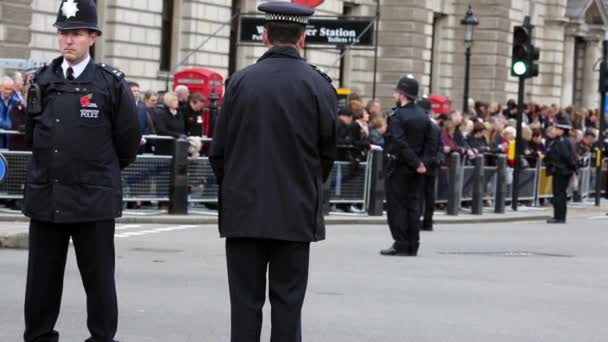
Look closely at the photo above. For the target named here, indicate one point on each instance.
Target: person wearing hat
(427, 200)
(83, 128)
(273, 148)
(561, 163)
(409, 147)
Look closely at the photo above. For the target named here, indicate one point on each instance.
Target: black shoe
(427, 229)
(576, 197)
(391, 251)
(556, 221)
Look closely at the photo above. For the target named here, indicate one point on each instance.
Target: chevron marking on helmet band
(69, 9)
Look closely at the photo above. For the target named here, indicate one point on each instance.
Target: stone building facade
(148, 39)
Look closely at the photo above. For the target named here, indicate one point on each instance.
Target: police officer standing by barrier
(427, 203)
(83, 128)
(274, 146)
(409, 147)
(561, 163)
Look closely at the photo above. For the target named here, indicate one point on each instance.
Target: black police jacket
(409, 138)
(561, 159)
(274, 145)
(193, 121)
(436, 155)
(87, 132)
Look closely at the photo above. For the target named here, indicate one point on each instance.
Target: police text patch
(89, 113)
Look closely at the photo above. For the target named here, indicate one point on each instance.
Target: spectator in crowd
(135, 89)
(510, 112)
(592, 119)
(7, 102)
(377, 128)
(585, 146)
(146, 113)
(537, 148)
(169, 121)
(451, 137)
(18, 88)
(374, 108)
(18, 118)
(193, 115)
(494, 109)
(182, 93)
(361, 117)
(477, 138)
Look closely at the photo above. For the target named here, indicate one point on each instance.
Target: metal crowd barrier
(152, 177)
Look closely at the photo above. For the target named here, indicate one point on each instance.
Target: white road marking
(127, 226)
(602, 217)
(153, 231)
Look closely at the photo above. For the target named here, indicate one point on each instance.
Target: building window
(166, 41)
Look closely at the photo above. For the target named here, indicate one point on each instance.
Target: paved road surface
(173, 286)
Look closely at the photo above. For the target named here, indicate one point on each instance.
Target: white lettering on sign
(191, 81)
(325, 32)
(89, 113)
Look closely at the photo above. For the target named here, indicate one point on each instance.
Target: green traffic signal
(520, 68)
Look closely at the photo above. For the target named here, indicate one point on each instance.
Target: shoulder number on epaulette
(112, 70)
(326, 76)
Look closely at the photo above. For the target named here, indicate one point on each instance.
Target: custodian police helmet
(408, 86)
(77, 14)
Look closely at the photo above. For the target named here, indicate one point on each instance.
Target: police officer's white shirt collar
(78, 68)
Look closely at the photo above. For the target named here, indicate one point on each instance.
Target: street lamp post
(469, 22)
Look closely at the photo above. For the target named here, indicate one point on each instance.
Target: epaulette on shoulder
(326, 76)
(38, 71)
(112, 70)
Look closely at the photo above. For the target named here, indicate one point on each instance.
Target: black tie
(70, 74)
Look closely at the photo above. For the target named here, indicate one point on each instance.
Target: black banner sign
(322, 31)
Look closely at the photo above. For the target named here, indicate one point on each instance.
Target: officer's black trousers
(403, 194)
(48, 250)
(427, 205)
(560, 196)
(287, 265)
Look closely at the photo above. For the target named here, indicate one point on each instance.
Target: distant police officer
(409, 144)
(273, 148)
(83, 128)
(561, 163)
(427, 202)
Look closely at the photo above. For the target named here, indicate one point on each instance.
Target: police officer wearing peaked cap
(83, 128)
(410, 146)
(273, 147)
(561, 163)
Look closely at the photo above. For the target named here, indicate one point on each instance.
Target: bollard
(375, 206)
(501, 184)
(178, 193)
(478, 175)
(455, 185)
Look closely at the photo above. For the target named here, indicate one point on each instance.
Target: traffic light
(525, 55)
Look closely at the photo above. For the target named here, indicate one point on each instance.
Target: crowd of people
(485, 129)
(177, 114)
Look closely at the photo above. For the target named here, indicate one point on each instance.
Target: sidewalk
(16, 236)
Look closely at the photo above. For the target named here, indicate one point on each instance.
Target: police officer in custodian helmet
(273, 148)
(410, 146)
(83, 129)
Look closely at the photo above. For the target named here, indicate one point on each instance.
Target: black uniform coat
(436, 156)
(273, 146)
(88, 131)
(409, 137)
(561, 159)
